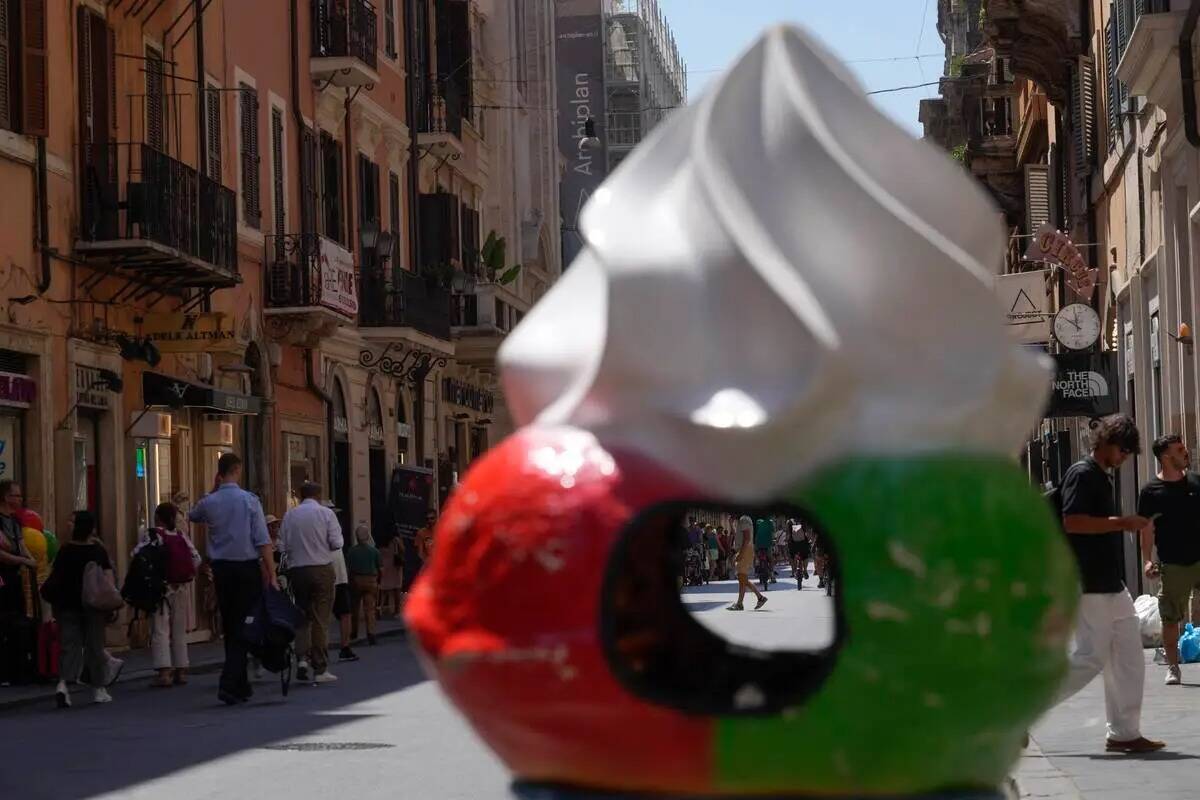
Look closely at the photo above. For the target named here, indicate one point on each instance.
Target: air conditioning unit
(151, 426)
(218, 433)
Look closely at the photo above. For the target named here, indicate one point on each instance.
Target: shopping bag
(1189, 645)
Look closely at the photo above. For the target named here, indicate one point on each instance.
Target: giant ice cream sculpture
(784, 301)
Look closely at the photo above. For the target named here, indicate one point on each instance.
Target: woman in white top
(168, 636)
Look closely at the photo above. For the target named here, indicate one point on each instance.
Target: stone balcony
(1039, 37)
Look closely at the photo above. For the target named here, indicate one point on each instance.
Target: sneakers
(762, 601)
(302, 672)
(736, 607)
(325, 677)
(62, 697)
(1174, 675)
(347, 654)
(101, 695)
(1138, 745)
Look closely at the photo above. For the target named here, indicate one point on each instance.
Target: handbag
(99, 592)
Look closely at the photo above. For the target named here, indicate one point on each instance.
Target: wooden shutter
(1084, 91)
(394, 205)
(250, 159)
(83, 20)
(331, 188)
(1037, 196)
(278, 199)
(35, 78)
(212, 129)
(154, 99)
(1124, 31)
(389, 27)
(308, 181)
(1112, 101)
(6, 76)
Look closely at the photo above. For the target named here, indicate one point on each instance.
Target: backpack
(180, 567)
(145, 584)
(270, 629)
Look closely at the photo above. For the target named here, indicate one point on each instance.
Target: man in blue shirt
(243, 561)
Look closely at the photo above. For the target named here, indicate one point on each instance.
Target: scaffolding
(645, 78)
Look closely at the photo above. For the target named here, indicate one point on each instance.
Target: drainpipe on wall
(43, 217)
(1187, 73)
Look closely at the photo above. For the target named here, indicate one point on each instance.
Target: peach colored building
(256, 227)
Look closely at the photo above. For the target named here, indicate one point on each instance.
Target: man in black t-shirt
(1107, 637)
(1172, 504)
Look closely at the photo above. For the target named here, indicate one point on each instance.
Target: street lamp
(463, 282)
(590, 140)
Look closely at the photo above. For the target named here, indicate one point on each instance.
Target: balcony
(310, 288)
(1037, 37)
(1150, 64)
(344, 43)
(481, 321)
(442, 111)
(156, 219)
(413, 301)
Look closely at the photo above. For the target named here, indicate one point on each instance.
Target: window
(97, 80)
(368, 191)
(212, 131)
(389, 28)
(995, 116)
(155, 100)
(309, 190)
(332, 215)
(394, 204)
(251, 205)
(23, 66)
(1037, 197)
(277, 196)
(521, 44)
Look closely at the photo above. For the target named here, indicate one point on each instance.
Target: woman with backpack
(168, 635)
(81, 626)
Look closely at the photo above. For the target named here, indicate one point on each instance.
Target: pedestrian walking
(343, 606)
(425, 538)
(242, 561)
(168, 632)
(366, 574)
(391, 585)
(309, 537)
(713, 546)
(17, 632)
(764, 545)
(1107, 635)
(81, 627)
(798, 551)
(743, 542)
(1171, 502)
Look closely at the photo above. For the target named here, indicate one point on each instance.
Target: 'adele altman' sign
(1085, 385)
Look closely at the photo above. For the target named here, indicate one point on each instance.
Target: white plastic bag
(1149, 621)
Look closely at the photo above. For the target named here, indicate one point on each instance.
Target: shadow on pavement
(146, 734)
(1162, 755)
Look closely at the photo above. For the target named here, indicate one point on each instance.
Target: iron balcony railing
(159, 199)
(293, 271)
(442, 109)
(465, 311)
(413, 301)
(345, 28)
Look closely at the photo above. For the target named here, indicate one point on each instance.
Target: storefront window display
(303, 464)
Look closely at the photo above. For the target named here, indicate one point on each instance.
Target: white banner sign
(338, 284)
(1026, 305)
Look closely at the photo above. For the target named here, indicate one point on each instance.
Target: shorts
(713, 555)
(798, 548)
(745, 561)
(1178, 581)
(341, 600)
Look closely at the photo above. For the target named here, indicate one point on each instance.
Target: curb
(208, 667)
(1036, 776)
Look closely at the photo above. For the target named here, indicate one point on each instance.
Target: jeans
(239, 587)
(313, 589)
(168, 637)
(1108, 640)
(82, 633)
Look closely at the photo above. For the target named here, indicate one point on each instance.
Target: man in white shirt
(308, 539)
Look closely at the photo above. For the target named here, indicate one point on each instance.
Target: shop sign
(1025, 303)
(88, 397)
(1055, 247)
(17, 390)
(338, 290)
(468, 396)
(341, 426)
(375, 434)
(199, 332)
(1130, 353)
(403, 430)
(1085, 385)
(165, 390)
(408, 499)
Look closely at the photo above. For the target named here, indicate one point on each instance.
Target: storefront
(377, 465)
(339, 456)
(18, 392)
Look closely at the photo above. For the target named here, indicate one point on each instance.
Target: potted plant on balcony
(493, 257)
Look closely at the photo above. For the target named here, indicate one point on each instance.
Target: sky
(712, 33)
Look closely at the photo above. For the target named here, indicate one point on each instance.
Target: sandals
(736, 607)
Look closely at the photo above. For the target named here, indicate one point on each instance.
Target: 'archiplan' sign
(580, 32)
(1025, 304)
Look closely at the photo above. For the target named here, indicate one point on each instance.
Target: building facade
(1097, 143)
(218, 240)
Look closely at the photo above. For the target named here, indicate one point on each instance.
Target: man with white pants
(1107, 638)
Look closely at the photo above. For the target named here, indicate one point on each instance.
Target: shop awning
(167, 390)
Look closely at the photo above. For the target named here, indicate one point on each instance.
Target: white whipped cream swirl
(779, 278)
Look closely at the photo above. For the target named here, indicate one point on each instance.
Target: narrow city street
(384, 730)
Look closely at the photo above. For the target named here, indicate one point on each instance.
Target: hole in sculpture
(670, 634)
